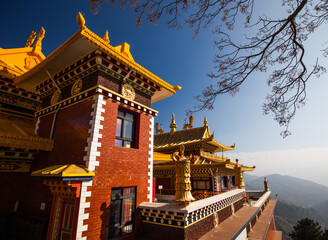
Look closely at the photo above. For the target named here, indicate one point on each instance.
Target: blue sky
(179, 59)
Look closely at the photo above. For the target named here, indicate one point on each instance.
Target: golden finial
(80, 20)
(237, 161)
(177, 88)
(205, 121)
(38, 45)
(106, 38)
(185, 125)
(173, 125)
(188, 125)
(191, 121)
(161, 130)
(156, 128)
(266, 185)
(30, 39)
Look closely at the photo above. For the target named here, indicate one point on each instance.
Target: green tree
(306, 229)
(325, 235)
(274, 44)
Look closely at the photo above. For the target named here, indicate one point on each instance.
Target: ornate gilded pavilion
(209, 170)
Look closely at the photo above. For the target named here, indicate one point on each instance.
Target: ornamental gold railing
(198, 195)
(165, 191)
(212, 156)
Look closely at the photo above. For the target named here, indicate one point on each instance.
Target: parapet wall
(188, 222)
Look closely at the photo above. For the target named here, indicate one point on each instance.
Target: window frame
(124, 118)
(196, 181)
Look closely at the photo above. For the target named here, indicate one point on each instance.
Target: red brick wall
(70, 135)
(118, 167)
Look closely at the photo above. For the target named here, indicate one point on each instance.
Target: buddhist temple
(79, 158)
(211, 173)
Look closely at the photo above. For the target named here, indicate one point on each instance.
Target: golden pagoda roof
(16, 61)
(80, 44)
(20, 134)
(64, 172)
(187, 137)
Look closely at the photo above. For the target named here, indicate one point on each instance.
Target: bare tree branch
(278, 45)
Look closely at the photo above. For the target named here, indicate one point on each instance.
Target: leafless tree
(277, 44)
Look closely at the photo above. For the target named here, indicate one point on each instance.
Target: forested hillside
(297, 199)
(287, 215)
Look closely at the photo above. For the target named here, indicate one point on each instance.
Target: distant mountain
(293, 190)
(322, 208)
(287, 215)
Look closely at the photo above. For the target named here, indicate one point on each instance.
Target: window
(125, 129)
(201, 183)
(232, 181)
(224, 183)
(122, 209)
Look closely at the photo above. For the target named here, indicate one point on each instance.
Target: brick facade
(118, 167)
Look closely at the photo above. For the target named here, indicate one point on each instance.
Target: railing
(212, 156)
(165, 191)
(198, 195)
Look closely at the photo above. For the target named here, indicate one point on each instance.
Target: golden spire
(106, 38)
(173, 125)
(80, 20)
(205, 121)
(30, 39)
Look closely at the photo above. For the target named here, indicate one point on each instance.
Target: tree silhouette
(306, 229)
(276, 44)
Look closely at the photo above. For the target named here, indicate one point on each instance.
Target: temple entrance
(66, 224)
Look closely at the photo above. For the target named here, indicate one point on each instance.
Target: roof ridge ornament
(30, 39)
(205, 121)
(173, 125)
(38, 43)
(80, 20)
(188, 125)
(158, 130)
(105, 37)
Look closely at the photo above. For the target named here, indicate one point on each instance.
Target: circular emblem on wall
(128, 91)
(55, 98)
(77, 87)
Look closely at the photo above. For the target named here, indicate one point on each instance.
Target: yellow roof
(79, 45)
(186, 137)
(162, 157)
(20, 134)
(16, 61)
(64, 171)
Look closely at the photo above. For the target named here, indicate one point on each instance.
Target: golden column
(182, 183)
(266, 185)
(239, 179)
